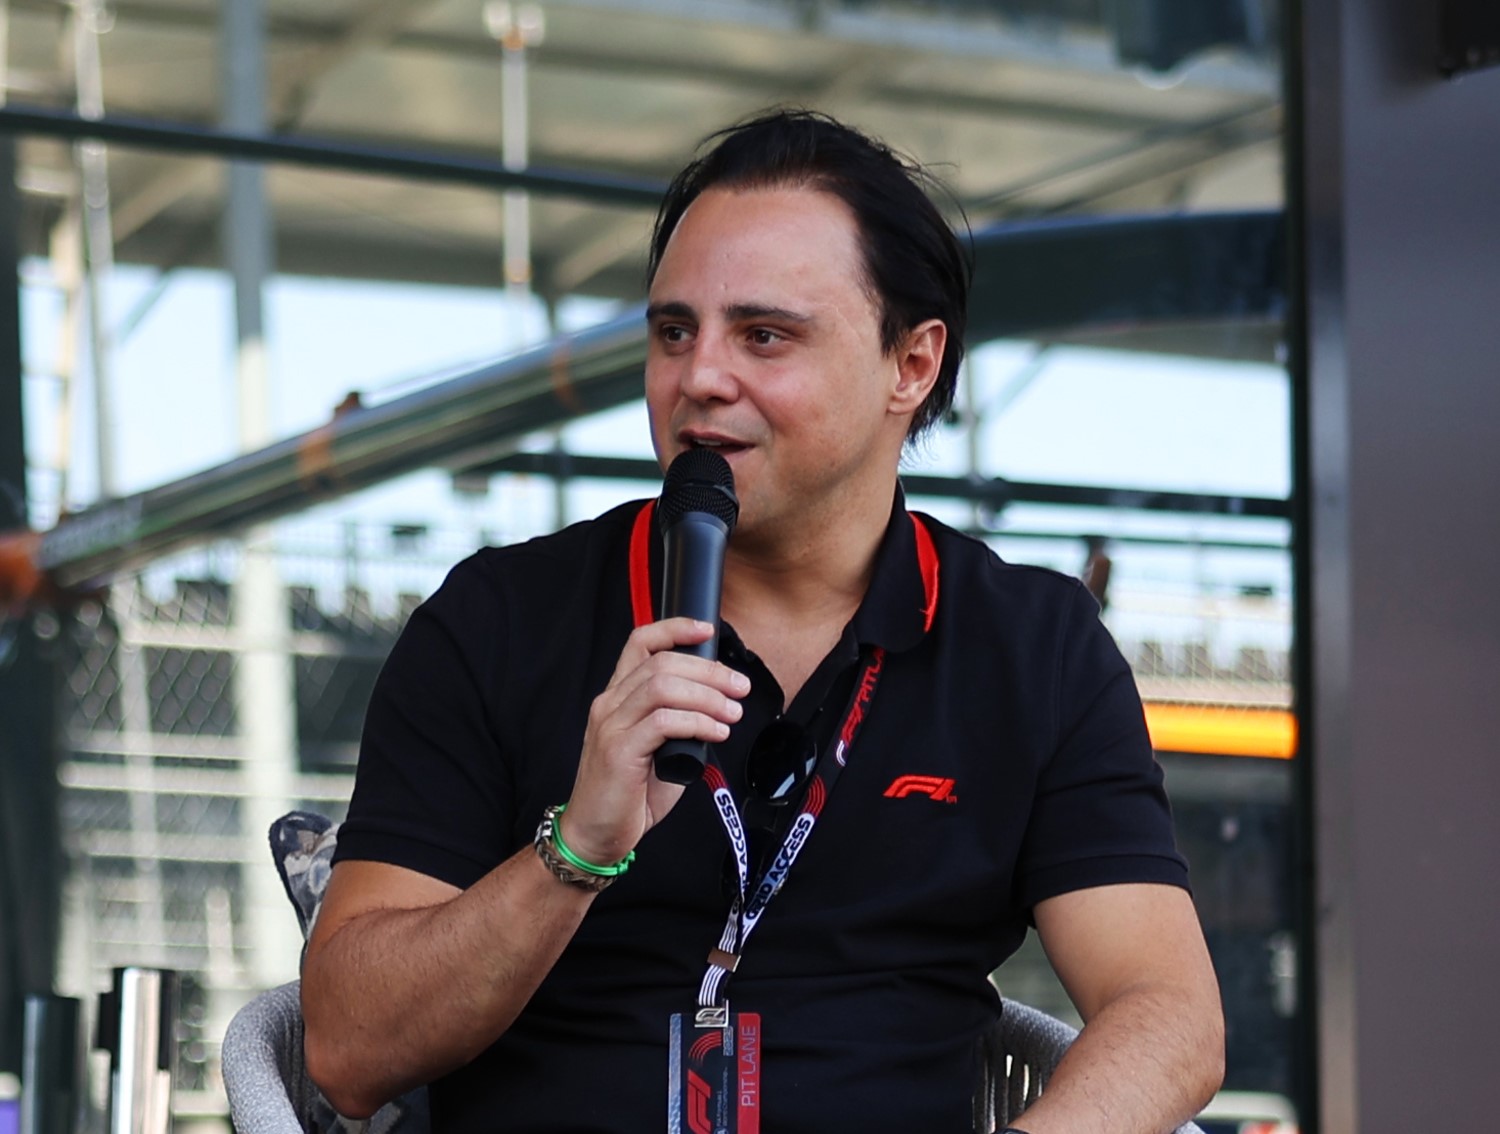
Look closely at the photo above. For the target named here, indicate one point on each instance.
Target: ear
(918, 359)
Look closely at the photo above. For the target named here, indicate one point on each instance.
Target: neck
(817, 574)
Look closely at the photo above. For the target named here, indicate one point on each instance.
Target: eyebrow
(750, 312)
(671, 310)
(735, 313)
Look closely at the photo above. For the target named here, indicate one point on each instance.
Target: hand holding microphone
(696, 515)
(667, 683)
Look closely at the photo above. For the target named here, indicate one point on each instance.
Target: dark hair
(915, 265)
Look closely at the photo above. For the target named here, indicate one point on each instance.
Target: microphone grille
(698, 480)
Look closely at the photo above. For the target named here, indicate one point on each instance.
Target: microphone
(696, 513)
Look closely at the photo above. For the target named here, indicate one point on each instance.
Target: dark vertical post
(30, 843)
(1400, 253)
(51, 1066)
(1300, 88)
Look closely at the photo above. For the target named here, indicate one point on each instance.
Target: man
(962, 733)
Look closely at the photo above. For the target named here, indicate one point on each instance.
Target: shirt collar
(892, 613)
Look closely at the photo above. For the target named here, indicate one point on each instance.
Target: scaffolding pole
(264, 685)
(89, 22)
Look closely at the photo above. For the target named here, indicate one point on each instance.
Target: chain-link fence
(165, 792)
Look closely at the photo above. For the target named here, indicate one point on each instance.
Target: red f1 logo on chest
(933, 787)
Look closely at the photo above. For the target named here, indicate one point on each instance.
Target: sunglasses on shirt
(777, 767)
(779, 764)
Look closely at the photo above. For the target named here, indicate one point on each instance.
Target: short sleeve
(1100, 815)
(432, 792)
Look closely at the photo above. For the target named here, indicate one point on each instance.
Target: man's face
(764, 344)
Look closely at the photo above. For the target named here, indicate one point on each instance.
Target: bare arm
(1151, 1054)
(407, 977)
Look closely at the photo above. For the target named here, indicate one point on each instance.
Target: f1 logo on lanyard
(714, 1075)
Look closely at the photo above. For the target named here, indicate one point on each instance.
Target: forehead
(791, 238)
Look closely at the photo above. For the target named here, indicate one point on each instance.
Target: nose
(708, 371)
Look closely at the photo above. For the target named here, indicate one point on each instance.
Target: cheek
(660, 392)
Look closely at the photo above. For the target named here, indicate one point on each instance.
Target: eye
(764, 336)
(672, 334)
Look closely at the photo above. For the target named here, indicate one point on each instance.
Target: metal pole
(4, 50)
(149, 901)
(137, 1025)
(98, 239)
(264, 684)
(973, 428)
(332, 153)
(66, 254)
(465, 419)
(30, 842)
(513, 154)
(50, 1066)
(517, 27)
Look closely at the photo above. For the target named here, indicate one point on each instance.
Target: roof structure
(1027, 108)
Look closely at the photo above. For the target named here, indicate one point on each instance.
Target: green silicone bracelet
(565, 852)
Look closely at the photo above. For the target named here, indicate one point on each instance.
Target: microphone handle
(692, 583)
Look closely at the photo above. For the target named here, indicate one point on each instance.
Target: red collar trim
(642, 605)
(927, 560)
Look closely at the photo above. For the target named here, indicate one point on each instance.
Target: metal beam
(371, 27)
(1223, 132)
(1087, 49)
(1177, 167)
(960, 38)
(331, 153)
(1036, 278)
(995, 493)
(291, 90)
(463, 419)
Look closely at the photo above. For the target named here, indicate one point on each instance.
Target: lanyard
(745, 915)
(748, 906)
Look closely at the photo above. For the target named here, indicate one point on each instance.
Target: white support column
(147, 898)
(265, 689)
(89, 21)
(518, 27)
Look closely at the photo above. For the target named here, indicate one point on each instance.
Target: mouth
(726, 446)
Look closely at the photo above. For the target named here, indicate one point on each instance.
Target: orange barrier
(1223, 730)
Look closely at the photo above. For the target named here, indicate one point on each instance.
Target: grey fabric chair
(266, 1079)
(264, 1073)
(269, 1091)
(1020, 1056)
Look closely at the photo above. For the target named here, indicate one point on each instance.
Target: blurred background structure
(313, 297)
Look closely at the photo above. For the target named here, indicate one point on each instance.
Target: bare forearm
(1147, 1063)
(396, 997)
(407, 978)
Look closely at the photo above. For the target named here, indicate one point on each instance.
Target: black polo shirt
(870, 968)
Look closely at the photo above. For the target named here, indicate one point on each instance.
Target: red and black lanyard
(750, 904)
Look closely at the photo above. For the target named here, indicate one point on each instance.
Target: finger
(634, 727)
(624, 723)
(684, 667)
(665, 690)
(658, 637)
(632, 752)
(712, 674)
(684, 724)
